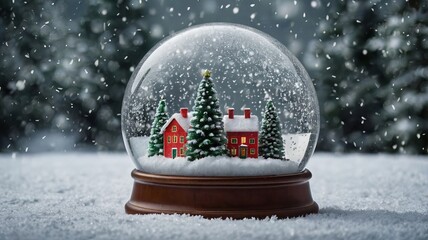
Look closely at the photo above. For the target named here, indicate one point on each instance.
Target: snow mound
(295, 148)
(216, 166)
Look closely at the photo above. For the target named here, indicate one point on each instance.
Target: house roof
(237, 124)
(241, 124)
(184, 122)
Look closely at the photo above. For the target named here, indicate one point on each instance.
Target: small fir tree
(156, 137)
(206, 134)
(270, 142)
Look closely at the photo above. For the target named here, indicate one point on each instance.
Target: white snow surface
(82, 196)
(241, 124)
(216, 166)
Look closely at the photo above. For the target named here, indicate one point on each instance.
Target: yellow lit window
(252, 141)
(234, 140)
(233, 152)
(243, 140)
(252, 151)
(174, 128)
(181, 151)
(175, 138)
(181, 139)
(169, 139)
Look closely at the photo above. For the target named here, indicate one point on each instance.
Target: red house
(175, 133)
(242, 132)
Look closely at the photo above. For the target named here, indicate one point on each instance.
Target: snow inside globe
(220, 100)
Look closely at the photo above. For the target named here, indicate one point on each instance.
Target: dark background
(64, 66)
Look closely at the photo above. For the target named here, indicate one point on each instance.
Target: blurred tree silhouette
(64, 66)
(28, 64)
(67, 75)
(370, 61)
(402, 42)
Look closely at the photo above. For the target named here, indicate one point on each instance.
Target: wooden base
(222, 197)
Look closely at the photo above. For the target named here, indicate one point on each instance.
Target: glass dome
(249, 70)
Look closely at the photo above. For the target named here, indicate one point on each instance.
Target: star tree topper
(206, 73)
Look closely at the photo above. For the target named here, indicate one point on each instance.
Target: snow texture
(139, 146)
(296, 145)
(217, 166)
(82, 196)
(241, 124)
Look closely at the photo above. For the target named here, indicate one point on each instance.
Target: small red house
(242, 132)
(175, 133)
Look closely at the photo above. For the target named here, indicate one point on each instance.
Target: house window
(243, 140)
(252, 151)
(234, 140)
(233, 152)
(181, 151)
(174, 128)
(169, 139)
(252, 141)
(181, 139)
(175, 138)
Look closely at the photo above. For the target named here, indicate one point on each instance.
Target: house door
(174, 152)
(243, 151)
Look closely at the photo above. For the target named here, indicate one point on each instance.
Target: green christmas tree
(156, 137)
(270, 142)
(206, 134)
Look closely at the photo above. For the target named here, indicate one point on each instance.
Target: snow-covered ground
(217, 166)
(295, 148)
(81, 196)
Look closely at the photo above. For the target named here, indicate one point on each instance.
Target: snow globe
(220, 121)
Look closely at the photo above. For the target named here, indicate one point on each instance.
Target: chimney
(247, 112)
(230, 112)
(183, 112)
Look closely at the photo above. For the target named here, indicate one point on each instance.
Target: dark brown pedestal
(213, 197)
